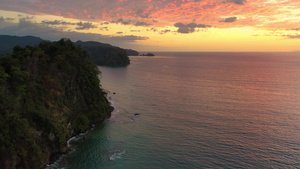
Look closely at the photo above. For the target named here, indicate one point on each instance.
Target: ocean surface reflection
(198, 110)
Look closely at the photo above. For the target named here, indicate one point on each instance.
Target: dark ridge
(102, 54)
(131, 52)
(105, 54)
(7, 43)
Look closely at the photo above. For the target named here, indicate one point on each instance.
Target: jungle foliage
(48, 93)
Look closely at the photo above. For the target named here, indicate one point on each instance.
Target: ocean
(197, 110)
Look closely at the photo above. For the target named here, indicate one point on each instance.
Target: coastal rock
(148, 54)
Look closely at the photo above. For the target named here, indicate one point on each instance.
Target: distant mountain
(131, 52)
(7, 43)
(102, 54)
(105, 54)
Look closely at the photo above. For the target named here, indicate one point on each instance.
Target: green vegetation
(105, 54)
(7, 43)
(48, 93)
(101, 54)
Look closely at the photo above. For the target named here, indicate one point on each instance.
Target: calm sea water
(197, 110)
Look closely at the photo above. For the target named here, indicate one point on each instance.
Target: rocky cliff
(48, 93)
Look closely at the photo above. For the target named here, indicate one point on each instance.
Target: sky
(160, 25)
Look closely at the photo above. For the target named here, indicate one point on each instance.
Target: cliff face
(48, 93)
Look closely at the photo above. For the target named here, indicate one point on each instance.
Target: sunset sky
(160, 25)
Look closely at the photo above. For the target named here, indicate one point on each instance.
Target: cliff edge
(48, 93)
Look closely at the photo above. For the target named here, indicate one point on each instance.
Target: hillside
(7, 43)
(131, 52)
(105, 54)
(102, 54)
(48, 93)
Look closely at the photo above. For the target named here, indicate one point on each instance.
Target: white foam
(55, 164)
(111, 101)
(115, 113)
(117, 154)
(70, 140)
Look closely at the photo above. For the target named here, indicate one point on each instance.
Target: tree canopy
(47, 94)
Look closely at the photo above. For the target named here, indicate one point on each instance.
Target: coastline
(56, 158)
(54, 161)
(173, 132)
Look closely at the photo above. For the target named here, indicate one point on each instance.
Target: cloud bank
(150, 12)
(239, 2)
(189, 28)
(230, 19)
(123, 22)
(25, 27)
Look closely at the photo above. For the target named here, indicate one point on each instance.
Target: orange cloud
(253, 13)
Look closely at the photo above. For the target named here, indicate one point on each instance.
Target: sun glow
(257, 25)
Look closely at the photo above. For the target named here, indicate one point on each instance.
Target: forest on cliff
(48, 93)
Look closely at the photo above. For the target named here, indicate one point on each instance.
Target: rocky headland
(48, 93)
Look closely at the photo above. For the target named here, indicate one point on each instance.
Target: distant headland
(148, 54)
(102, 54)
(131, 52)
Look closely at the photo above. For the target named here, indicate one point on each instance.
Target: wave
(115, 113)
(55, 164)
(116, 154)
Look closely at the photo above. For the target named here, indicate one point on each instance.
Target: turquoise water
(197, 110)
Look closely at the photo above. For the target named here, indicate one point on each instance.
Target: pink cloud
(166, 12)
